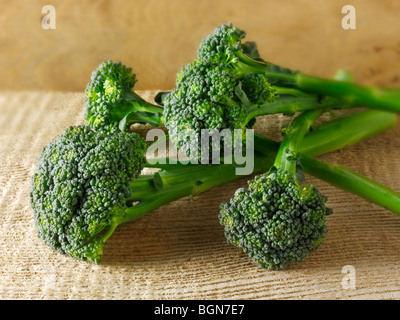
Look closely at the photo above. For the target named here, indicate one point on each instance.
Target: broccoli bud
(276, 221)
(222, 45)
(258, 89)
(111, 103)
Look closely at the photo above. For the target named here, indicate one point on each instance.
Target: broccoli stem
(194, 180)
(337, 134)
(144, 105)
(363, 125)
(354, 94)
(154, 119)
(348, 180)
(290, 91)
(288, 152)
(137, 110)
(291, 105)
(274, 73)
(380, 98)
(346, 131)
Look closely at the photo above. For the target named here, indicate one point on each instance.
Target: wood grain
(179, 251)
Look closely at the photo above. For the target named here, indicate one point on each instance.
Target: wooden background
(179, 251)
(157, 37)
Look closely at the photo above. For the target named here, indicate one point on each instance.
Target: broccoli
(88, 181)
(111, 103)
(81, 188)
(226, 46)
(277, 220)
(208, 97)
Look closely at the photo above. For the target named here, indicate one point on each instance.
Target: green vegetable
(277, 220)
(226, 46)
(111, 103)
(81, 188)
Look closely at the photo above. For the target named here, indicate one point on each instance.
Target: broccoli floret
(223, 45)
(227, 46)
(199, 102)
(81, 187)
(257, 88)
(210, 98)
(277, 220)
(111, 103)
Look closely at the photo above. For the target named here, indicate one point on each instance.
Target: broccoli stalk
(288, 153)
(225, 46)
(343, 178)
(111, 103)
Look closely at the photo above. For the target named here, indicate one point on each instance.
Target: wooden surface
(179, 251)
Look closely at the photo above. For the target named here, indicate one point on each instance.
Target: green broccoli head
(110, 99)
(258, 89)
(276, 221)
(227, 45)
(222, 45)
(80, 188)
(208, 97)
(197, 103)
(185, 119)
(110, 82)
(205, 80)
